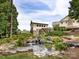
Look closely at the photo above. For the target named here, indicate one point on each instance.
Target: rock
(22, 49)
(41, 51)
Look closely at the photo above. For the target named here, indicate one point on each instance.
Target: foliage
(59, 31)
(56, 40)
(5, 16)
(22, 37)
(56, 31)
(42, 35)
(48, 45)
(60, 28)
(50, 33)
(59, 45)
(18, 39)
(74, 9)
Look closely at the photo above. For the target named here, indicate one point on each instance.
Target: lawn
(28, 56)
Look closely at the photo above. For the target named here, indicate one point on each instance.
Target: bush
(42, 35)
(59, 45)
(49, 33)
(47, 45)
(57, 28)
(22, 37)
(56, 40)
(17, 38)
(58, 33)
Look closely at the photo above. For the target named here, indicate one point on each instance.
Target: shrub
(22, 37)
(58, 33)
(42, 35)
(49, 33)
(56, 40)
(59, 45)
(47, 45)
(17, 38)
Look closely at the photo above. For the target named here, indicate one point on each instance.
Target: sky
(46, 11)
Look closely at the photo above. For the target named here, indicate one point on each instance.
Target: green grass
(28, 56)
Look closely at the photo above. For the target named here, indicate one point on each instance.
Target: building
(68, 23)
(36, 27)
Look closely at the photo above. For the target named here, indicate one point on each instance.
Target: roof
(62, 20)
(39, 23)
(55, 22)
(74, 27)
(65, 19)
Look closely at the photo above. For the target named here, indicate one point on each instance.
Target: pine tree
(74, 9)
(5, 17)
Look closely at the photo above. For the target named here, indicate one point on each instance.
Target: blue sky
(46, 11)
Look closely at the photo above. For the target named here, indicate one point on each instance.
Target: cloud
(40, 11)
(62, 7)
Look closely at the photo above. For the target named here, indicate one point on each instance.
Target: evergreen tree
(74, 9)
(5, 17)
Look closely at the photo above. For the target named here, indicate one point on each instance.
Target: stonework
(35, 27)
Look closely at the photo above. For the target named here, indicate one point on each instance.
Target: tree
(74, 9)
(5, 17)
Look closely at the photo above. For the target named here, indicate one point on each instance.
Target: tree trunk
(11, 32)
